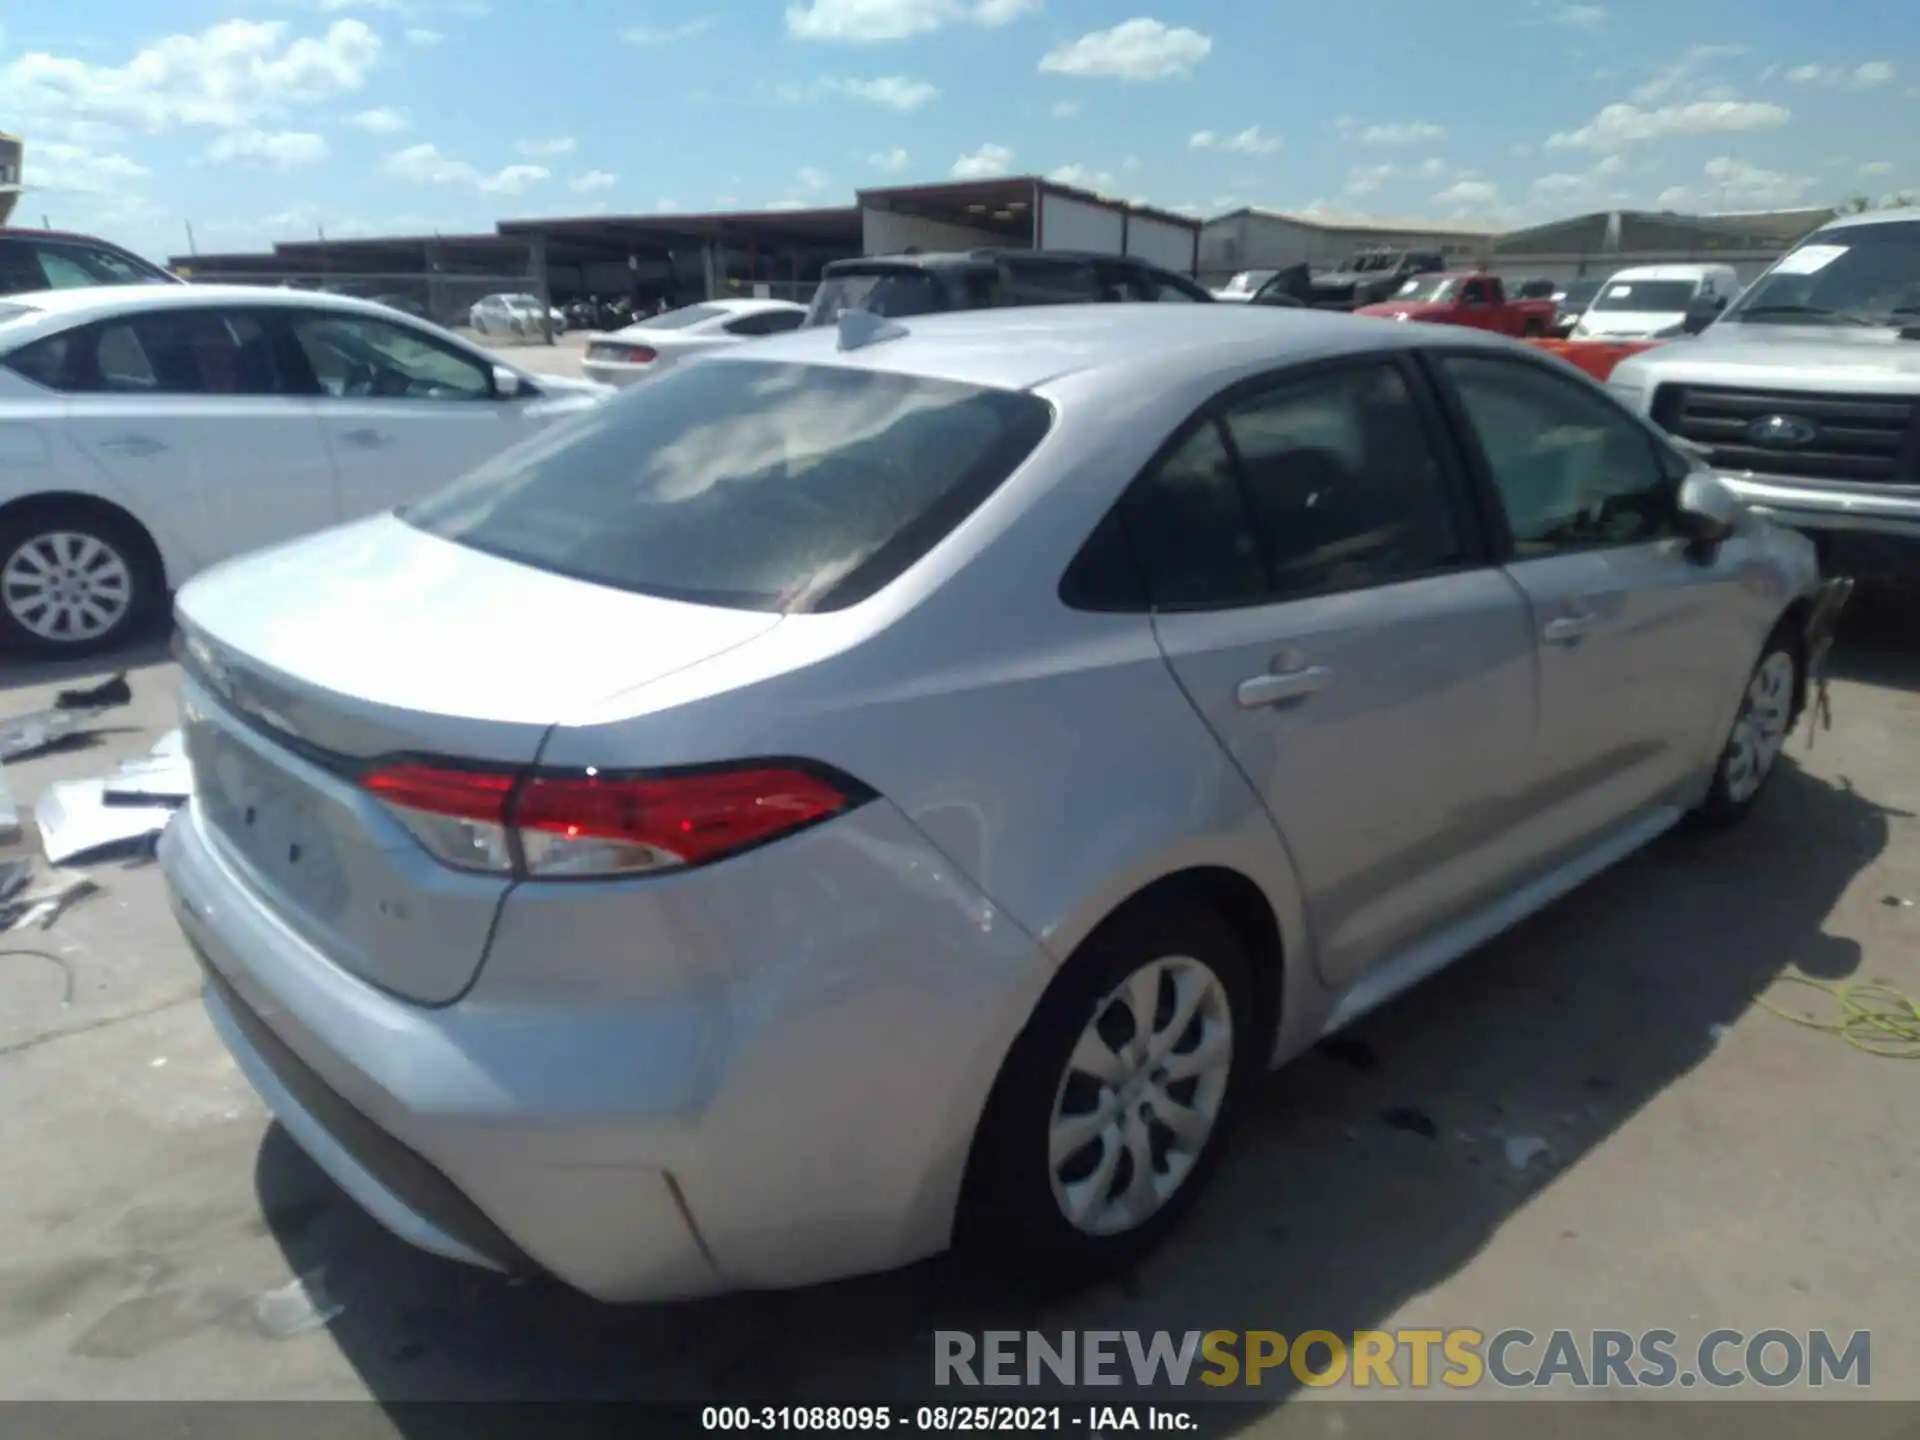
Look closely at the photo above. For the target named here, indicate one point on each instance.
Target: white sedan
(659, 342)
(512, 315)
(147, 432)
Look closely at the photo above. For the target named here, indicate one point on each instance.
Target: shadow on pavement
(19, 671)
(1326, 1215)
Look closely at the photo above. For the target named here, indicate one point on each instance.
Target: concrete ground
(1708, 1164)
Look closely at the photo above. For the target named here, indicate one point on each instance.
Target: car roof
(1024, 347)
(51, 310)
(1889, 216)
(1669, 272)
(749, 306)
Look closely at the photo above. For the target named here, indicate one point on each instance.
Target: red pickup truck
(1476, 300)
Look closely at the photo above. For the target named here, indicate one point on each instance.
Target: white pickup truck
(1805, 393)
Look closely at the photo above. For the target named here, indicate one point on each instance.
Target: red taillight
(641, 355)
(602, 825)
(455, 794)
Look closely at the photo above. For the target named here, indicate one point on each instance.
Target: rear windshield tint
(746, 484)
(680, 319)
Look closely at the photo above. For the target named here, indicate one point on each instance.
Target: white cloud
(1877, 167)
(1247, 142)
(1468, 193)
(1434, 169)
(1083, 177)
(336, 5)
(866, 22)
(58, 166)
(1409, 132)
(381, 120)
(666, 34)
(593, 180)
(229, 76)
(1132, 162)
(896, 92)
(1617, 126)
(425, 165)
(424, 37)
(891, 161)
(1065, 109)
(989, 160)
(1738, 185)
(1365, 179)
(813, 179)
(666, 206)
(1685, 77)
(784, 205)
(1864, 76)
(1584, 17)
(1139, 49)
(547, 149)
(282, 150)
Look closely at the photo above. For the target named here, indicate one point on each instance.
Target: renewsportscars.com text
(1458, 1359)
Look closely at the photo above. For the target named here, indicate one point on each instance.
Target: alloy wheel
(1761, 728)
(1141, 1095)
(66, 586)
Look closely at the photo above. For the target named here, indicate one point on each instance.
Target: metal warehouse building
(1254, 239)
(1609, 240)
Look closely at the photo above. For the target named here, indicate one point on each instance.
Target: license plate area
(275, 823)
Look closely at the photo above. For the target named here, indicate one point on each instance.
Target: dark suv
(56, 260)
(926, 284)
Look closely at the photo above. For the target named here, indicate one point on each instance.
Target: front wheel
(1759, 730)
(1114, 1105)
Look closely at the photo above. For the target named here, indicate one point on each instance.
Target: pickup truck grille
(1869, 439)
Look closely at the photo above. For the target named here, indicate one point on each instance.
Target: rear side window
(1343, 481)
(682, 318)
(197, 352)
(766, 322)
(27, 265)
(747, 485)
(897, 292)
(1190, 525)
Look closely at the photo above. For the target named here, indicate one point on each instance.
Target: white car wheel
(71, 584)
(1140, 1095)
(1761, 728)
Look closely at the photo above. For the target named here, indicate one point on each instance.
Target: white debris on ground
(80, 818)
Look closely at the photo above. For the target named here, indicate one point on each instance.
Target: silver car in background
(905, 781)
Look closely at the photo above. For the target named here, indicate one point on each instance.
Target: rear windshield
(750, 485)
(680, 319)
(1655, 296)
(905, 291)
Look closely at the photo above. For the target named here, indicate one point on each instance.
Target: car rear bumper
(749, 1113)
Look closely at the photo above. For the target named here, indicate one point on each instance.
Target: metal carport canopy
(763, 229)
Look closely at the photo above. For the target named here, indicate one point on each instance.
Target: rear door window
(750, 485)
(894, 291)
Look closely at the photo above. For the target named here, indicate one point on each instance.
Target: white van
(1651, 302)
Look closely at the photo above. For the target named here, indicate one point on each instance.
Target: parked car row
(887, 588)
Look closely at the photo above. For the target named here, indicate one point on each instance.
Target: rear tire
(1768, 707)
(1083, 1072)
(75, 580)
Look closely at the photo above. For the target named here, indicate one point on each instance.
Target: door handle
(139, 445)
(367, 438)
(1565, 629)
(1277, 687)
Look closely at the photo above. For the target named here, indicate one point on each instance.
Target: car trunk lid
(309, 665)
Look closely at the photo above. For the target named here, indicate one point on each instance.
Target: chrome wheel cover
(1141, 1095)
(1761, 728)
(66, 586)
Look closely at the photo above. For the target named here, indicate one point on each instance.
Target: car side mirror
(1709, 511)
(1700, 315)
(509, 384)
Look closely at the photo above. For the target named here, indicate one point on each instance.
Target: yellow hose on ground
(1874, 1015)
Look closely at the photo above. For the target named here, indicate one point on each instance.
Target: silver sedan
(905, 782)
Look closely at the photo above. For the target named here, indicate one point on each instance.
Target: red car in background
(1476, 300)
(58, 260)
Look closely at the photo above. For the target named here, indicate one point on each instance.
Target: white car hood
(568, 386)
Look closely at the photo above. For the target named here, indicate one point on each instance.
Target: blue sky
(262, 119)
